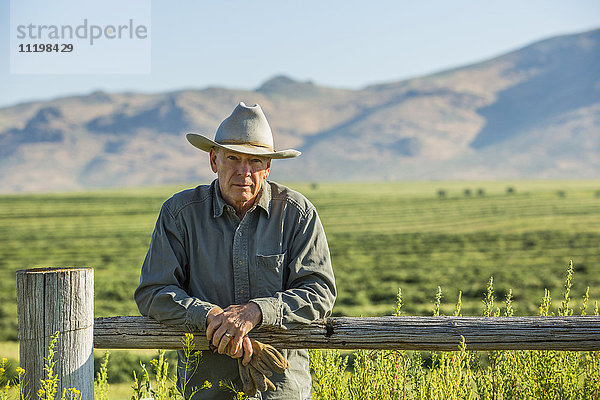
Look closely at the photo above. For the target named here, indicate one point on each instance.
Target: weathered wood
(409, 333)
(51, 300)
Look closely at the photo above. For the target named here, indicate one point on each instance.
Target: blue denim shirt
(201, 256)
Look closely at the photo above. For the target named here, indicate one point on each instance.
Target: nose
(244, 168)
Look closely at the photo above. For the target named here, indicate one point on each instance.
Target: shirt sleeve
(161, 294)
(310, 287)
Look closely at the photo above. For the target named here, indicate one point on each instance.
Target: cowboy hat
(246, 131)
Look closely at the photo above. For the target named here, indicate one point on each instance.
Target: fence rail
(409, 333)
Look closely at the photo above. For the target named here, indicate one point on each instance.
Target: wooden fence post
(51, 300)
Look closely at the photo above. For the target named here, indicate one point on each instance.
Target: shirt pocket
(270, 273)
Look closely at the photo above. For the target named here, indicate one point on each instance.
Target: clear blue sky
(240, 44)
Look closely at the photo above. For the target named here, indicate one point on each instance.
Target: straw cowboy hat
(246, 131)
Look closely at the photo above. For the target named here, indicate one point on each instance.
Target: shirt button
(240, 262)
(242, 291)
(240, 233)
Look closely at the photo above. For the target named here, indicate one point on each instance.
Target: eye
(257, 160)
(232, 157)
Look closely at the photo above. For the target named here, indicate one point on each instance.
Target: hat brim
(205, 144)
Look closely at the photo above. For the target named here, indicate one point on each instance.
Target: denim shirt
(201, 256)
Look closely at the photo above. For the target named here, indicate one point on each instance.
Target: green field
(382, 236)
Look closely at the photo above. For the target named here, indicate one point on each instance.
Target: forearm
(161, 293)
(173, 306)
(297, 306)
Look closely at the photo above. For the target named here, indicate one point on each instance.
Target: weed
(101, 381)
(6, 387)
(165, 388)
(464, 374)
(47, 390)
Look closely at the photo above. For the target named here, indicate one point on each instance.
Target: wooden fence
(51, 300)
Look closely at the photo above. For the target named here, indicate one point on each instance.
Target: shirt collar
(218, 202)
(264, 199)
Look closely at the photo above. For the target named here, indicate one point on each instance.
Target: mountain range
(531, 113)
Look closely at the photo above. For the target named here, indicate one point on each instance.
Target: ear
(268, 170)
(213, 160)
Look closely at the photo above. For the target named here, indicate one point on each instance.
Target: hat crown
(245, 125)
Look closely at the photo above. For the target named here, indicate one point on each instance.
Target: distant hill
(531, 113)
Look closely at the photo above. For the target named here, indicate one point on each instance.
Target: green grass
(382, 236)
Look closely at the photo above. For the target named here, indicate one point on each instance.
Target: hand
(235, 321)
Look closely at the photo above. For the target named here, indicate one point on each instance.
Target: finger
(249, 386)
(225, 340)
(261, 367)
(212, 327)
(239, 354)
(210, 318)
(258, 378)
(247, 382)
(256, 346)
(274, 353)
(218, 335)
(235, 347)
(247, 346)
(275, 359)
(270, 385)
(275, 367)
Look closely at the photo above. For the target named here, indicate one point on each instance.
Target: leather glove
(253, 380)
(266, 359)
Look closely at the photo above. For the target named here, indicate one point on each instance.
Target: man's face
(240, 176)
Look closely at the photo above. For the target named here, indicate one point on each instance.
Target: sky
(240, 44)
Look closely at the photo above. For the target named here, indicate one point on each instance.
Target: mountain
(531, 113)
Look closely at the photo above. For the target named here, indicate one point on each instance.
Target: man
(239, 253)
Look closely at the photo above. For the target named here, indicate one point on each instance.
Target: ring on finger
(229, 335)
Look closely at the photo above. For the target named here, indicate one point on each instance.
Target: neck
(242, 208)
